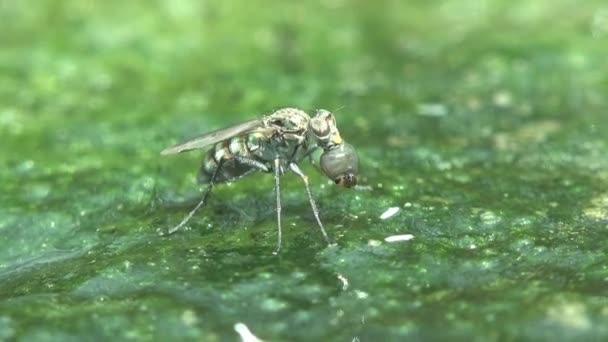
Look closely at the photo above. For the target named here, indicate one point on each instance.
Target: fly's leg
(277, 188)
(315, 211)
(202, 201)
(251, 162)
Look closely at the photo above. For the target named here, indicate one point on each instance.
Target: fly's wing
(215, 137)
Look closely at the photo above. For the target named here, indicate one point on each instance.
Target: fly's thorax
(288, 148)
(323, 128)
(285, 136)
(288, 120)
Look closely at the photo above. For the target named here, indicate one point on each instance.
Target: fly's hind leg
(277, 175)
(313, 205)
(246, 161)
(202, 201)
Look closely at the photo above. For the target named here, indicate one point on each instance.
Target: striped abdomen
(243, 146)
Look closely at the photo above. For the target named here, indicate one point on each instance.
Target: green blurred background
(483, 121)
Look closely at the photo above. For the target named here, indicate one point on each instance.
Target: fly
(275, 143)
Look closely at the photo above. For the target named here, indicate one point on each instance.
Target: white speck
(361, 294)
(572, 315)
(397, 238)
(472, 247)
(502, 98)
(374, 243)
(26, 165)
(245, 333)
(407, 204)
(344, 281)
(189, 318)
(389, 212)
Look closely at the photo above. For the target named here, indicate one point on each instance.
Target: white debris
(389, 212)
(245, 333)
(503, 98)
(361, 294)
(344, 281)
(374, 243)
(397, 238)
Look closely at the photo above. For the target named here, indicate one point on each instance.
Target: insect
(275, 143)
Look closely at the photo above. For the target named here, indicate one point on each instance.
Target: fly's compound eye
(323, 125)
(320, 127)
(341, 164)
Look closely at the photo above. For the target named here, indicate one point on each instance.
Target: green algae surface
(483, 122)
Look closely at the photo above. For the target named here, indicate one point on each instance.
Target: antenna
(337, 109)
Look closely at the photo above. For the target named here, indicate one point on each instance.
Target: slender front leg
(251, 162)
(315, 211)
(277, 175)
(202, 201)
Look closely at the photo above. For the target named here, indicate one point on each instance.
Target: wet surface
(480, 127)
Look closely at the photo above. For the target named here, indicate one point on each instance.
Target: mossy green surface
(483, 121)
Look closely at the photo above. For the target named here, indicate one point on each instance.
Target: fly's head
(339, 160)
(323, 128)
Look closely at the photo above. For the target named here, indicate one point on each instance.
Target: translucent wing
(215, 137)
